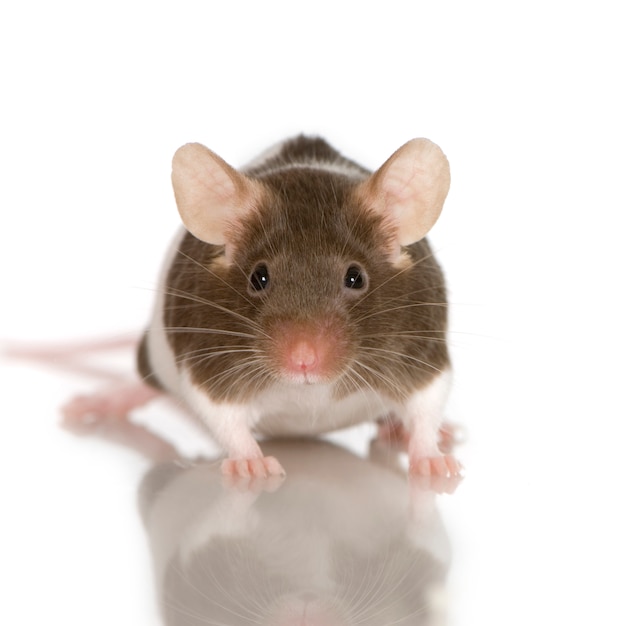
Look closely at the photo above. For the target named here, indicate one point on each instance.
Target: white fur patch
(333, 167)
(296, 409)
(423, 414)
(283, 410)
(230, 423)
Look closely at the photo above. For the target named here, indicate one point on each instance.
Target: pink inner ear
(396, 183)
(210, 194)
(409, 189)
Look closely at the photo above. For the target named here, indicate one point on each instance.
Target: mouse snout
(308, 352)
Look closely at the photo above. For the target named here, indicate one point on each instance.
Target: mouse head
(314, 252)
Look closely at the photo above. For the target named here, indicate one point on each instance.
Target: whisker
(411, 334)
(246, 373)
(203, 355)
(207, 331)
(390, 382)
(352, 375)
(182, 294)
(399, 308)
(271, 244)
(242, 612)
(394, 276)
(217, 276)
(392, 355)
(385, 595)
(349, 237)
(371, 593)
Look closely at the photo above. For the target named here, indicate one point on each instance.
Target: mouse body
(301, 297)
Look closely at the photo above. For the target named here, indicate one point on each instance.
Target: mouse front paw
(441, 474)
(444, 465)
(258, 467)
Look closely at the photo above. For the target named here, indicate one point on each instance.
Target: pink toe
(443, 466)
(439, 466)
(454, 467)
(228, 467)
(422, 467)
(274, 468)
(258, 467)
(242, 468)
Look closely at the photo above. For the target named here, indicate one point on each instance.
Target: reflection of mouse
(317, 551)
(303, 298)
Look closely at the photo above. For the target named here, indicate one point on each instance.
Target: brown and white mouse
(302, 297)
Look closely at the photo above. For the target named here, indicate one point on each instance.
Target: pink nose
(309, 351)
(303, 357)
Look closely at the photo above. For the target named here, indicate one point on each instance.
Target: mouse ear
(210, 194)
(409, 189)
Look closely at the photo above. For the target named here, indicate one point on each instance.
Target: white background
(526, 99)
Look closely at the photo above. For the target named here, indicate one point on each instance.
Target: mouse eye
(260, 278)
(355, 278)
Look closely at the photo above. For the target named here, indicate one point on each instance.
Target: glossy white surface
(527, 104)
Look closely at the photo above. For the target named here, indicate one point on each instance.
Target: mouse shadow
(342, 540)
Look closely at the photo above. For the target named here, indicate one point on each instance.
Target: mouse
(301, 296)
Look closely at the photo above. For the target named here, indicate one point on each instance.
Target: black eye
(260, 278)
(355, 278)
